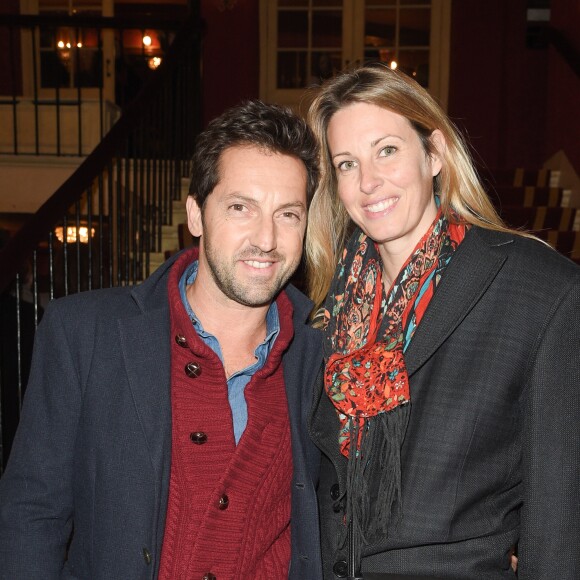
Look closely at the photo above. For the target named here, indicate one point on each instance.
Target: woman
(449, 414)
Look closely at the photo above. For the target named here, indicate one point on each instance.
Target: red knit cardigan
(228, 515)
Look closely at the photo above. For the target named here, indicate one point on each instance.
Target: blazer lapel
(465, 281)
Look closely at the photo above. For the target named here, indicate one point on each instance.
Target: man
(163, 432)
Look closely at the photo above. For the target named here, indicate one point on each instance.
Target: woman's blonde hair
(457, 185)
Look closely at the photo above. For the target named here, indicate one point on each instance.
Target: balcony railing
(67, 78)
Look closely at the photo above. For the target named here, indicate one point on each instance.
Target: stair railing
(101, 226)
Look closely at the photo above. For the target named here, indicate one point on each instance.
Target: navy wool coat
(93, 447)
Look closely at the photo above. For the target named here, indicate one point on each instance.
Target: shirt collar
(188, 277)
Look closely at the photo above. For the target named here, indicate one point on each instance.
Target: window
(304, 42)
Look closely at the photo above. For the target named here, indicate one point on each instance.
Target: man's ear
(194, 221)
(438, 146)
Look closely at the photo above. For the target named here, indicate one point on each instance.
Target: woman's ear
(438, 147)
(194, 221)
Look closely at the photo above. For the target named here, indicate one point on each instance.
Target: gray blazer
(491, 456)
(94, 444)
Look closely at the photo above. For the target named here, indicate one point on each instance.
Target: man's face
(252, 225)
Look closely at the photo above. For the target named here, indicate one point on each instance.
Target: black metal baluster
(17, 295)
(78, 245)
(90, 231)
(148, 220)
(65, 253)
(35, 286)
(50, 265)
(134, 211)
(108, 254)
(127, 229)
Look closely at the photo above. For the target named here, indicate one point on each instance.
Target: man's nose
(264, 234)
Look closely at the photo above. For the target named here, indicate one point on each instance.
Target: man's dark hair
(253, 123)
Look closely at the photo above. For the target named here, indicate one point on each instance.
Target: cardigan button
(224, 502)
(198, 437)
(147, 556)
(208, 576)
(193, 370)
(340, 569)
(180, 340)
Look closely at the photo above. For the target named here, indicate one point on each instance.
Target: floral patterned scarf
(366, 335)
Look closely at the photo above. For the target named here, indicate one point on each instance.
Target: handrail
(40, 224)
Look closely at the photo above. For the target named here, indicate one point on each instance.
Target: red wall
(231, 55)
(563, 107)
(515, 103)
(518, 105)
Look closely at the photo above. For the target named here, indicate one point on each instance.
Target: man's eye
(237, 207)
(291, 215)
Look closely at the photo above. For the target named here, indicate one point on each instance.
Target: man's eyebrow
(293, 205)
(238, 196)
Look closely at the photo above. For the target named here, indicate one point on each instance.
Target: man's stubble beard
(250, 293)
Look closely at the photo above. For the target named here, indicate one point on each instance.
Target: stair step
(567, 243)
(155, 260)
(185, 187)
(540, 218)
(519, 177)
(169, 233)
(169, 239)
(186, 240)
(529, 196)
(179, 212)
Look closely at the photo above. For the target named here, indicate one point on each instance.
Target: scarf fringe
(374, 478)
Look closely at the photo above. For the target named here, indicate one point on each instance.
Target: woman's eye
(346, 165)
(386, 151)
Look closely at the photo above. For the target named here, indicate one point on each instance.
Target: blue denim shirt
(238, 381)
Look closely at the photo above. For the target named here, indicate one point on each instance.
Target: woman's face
(384, 175)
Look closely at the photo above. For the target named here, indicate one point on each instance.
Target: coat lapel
(301, 363)
(471, 271)
(145, 342)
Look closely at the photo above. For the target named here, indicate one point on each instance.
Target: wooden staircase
(534, 201)
(174, 237)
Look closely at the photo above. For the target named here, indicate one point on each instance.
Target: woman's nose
(369, 179)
